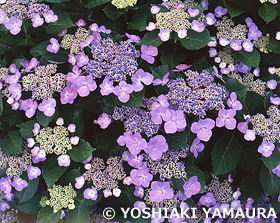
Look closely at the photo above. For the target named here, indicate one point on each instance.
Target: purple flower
(182, 33)
(90, 193)
(54, 46)
(203, 128)
(135, 161)
(107, 87)
(50, 16)
(32, 64)
(85, 85)
(193, 12)
(181, 67)
(160, 191)
(140, 205)
(235, 204)
(80, 23)
(33, 172)
(197, 26)
(141, 77)
(36, 129)
(248, 45)
(242, 68)
(196, 147)
(87, 42)
(161, 101)
(38, 154)
(5, 185)
(148, 53)
(80, 181)
(271, 84)
(82, 59)
(123, 90)
(4, 206)
(139, 191)
(210, 19)
(68, 95)
(233, 102)
(18, 183)
(74, 74)
(63, 160)
(62, 33)
(275, 100)
(29, 106)
(122, 140)
(133, 38)
(208, 200)
(212, 52)
(72, 59)
(250, 135)
(163, 81)
(266, 148)
(135, 143)
(249, 22)
(276, 171)
(242, 127)
(14, 25)
(117, 192)
(104, 121)
(220, 11)
(176, 122)
(141, 177)
(155, 9)
(236, 45)
(151, 26)
(191, 187)
(254, 33)
(164, 35)
(15, 91)
(48, 107)
(156, 147)
(74, 140)
(226, 118)
(13, 79)
(3, 16)
(37, 20)
(223, 41)
(159, 114)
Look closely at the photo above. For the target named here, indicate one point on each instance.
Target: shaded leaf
(274, 46)
(267, 12)
(63, 22)
(29, 191)
(249, 58)
(269, 181)
(81, 152)
(12, 143)
(94, 3)
(195, 41)
(171, 58)
(46, 215)
(26, 129)
(151, 39)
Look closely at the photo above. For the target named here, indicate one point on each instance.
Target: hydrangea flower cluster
(121, 4)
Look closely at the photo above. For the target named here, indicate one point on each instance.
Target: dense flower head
(198, 94)
(121, 4)
(112, 60)
(221, 191)
(15, 164)
(136, 119)
(104, 176)
(61, 197)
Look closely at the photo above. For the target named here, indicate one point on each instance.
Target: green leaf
(233, 10)
(233, 85)
(112, 12)
(177, 140)
(249, 157)
(94, 3)
(28, 192)
(171, 58)
(42, 119)
(51, 171)
(46, 215)
(269, 181)
(108, 103)
(151, 39)
(225, 155)
(26, 129)
(79, 214)
(272, 161)
(12, 143)
(81, 152)
(267, 12)
(274, 46)
(196, 41)
(31, 206)
(137, 23)
(249, 58)
(254, 103)
(70, 176)
(63, 22)
(179, 183)
(200, 64)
